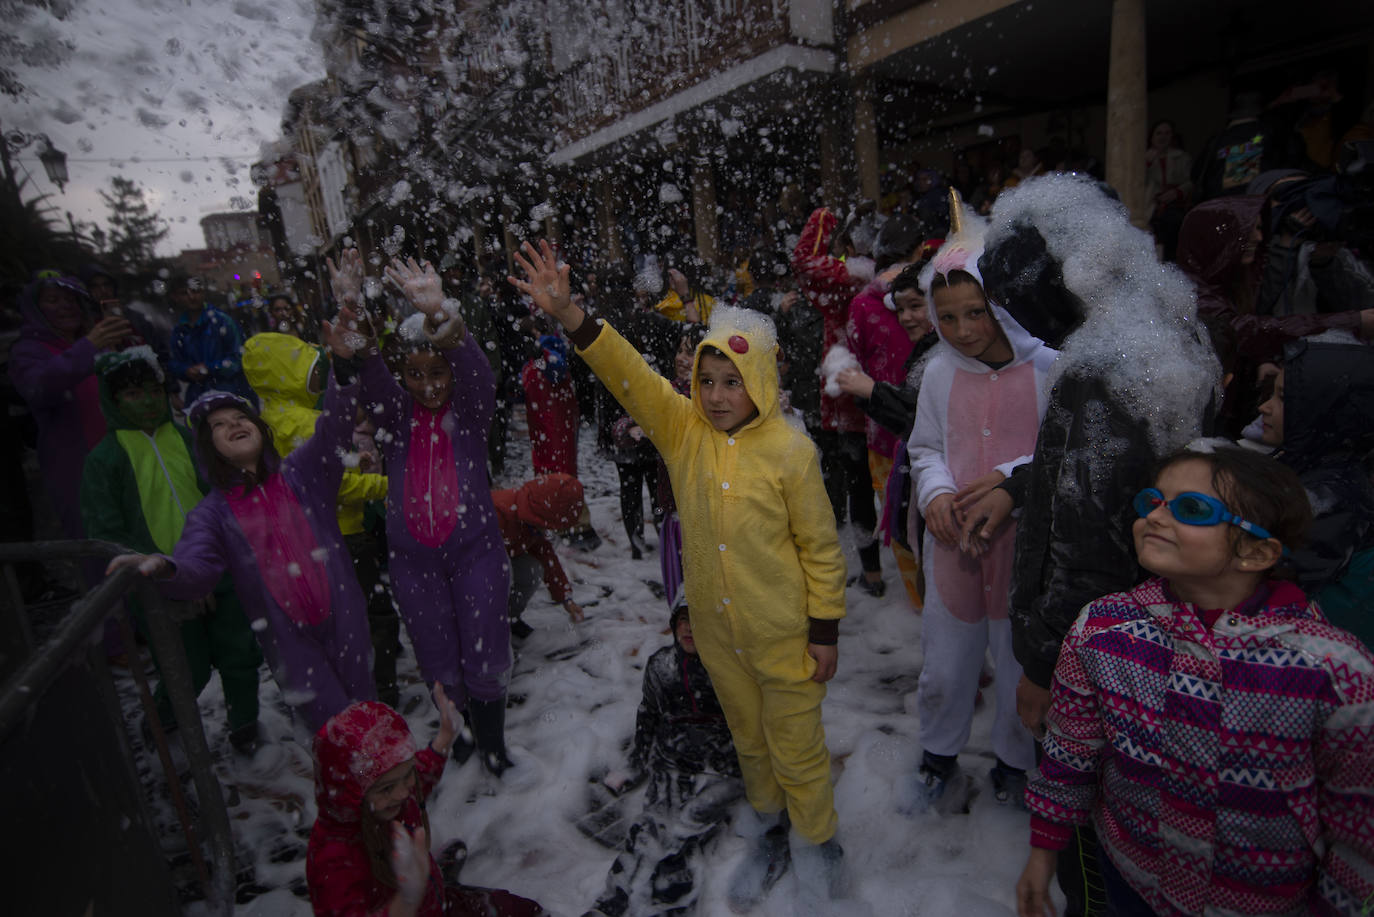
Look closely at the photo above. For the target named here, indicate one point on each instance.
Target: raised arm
(647, 397)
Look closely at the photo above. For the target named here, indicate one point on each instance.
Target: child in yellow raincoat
(764, 574)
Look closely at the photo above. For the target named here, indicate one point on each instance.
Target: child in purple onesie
(449, 570)
(273, 524)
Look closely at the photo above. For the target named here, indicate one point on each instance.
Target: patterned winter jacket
(680, 725)
(1227, 770)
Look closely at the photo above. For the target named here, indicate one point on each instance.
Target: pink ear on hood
(958, 255)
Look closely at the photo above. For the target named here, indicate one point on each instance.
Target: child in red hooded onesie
(369, 849)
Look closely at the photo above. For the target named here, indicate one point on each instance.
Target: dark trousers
(633, 477)
(844, 466)
(525, 573)
(218, 639)
(1080, 872)
(384, 626)
(1122, 899)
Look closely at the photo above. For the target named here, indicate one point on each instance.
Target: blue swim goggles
(1194, 509)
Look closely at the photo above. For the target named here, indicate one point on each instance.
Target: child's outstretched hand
(827, 658)
(346, 277)
(410, 862)
(449, 719)
(574, 610)
(546, 283)
(421, 285)
(148, 564)
(347, 335)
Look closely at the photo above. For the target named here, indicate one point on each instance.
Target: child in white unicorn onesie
(982, 397)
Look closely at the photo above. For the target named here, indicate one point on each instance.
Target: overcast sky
(178, 95)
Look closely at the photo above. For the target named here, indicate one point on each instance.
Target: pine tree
(135, 230)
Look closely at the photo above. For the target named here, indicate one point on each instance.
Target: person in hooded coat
(272, 523)
(369, 846)
(52, 366)
(137, 488)
(449, 570)
(1133, 382)
(1218, 246)
(751, 499)
(682, 748)
(830, 285)
(288, 376)
(551, 408)
(982, 397)
(1321, 419)
(892, 405)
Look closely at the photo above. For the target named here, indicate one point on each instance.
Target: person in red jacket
(551, 408)
(369, 849)
(549, 502)
(830, 283)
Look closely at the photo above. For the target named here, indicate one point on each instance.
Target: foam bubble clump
(412, 329)
(837, 360)
(1140, 331)
(728, 320)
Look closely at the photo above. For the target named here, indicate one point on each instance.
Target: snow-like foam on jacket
(1140, 331)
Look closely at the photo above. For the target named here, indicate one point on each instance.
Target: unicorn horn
(956, 213)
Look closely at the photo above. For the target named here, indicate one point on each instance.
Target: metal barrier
(43, 665)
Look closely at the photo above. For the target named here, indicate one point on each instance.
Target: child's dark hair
(710, 350)
(130, 374)
(954, 279)
(218, 471)
(1257, 488)
(909, 278)
(693, 334)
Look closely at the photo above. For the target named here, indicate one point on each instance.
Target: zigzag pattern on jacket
(1228, 770)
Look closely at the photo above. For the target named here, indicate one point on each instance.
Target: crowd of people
(1132, 497)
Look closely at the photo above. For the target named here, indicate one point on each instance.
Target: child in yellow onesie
(763, 569)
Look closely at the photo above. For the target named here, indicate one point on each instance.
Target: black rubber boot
(463, 744)
(488, 718)
(386, 631)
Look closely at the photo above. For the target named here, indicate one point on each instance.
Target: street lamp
(54, 160)
(54, 163)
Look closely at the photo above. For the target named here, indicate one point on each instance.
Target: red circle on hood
(738, 344)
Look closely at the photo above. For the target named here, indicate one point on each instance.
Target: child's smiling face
(235, 437)
(428, 378)
(1175, 550)
(389, 792)
(723, 395)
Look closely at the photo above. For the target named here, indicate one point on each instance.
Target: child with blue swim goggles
(1194, 509)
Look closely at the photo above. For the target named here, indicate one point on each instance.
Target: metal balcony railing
(38, 666)
(664, 47)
